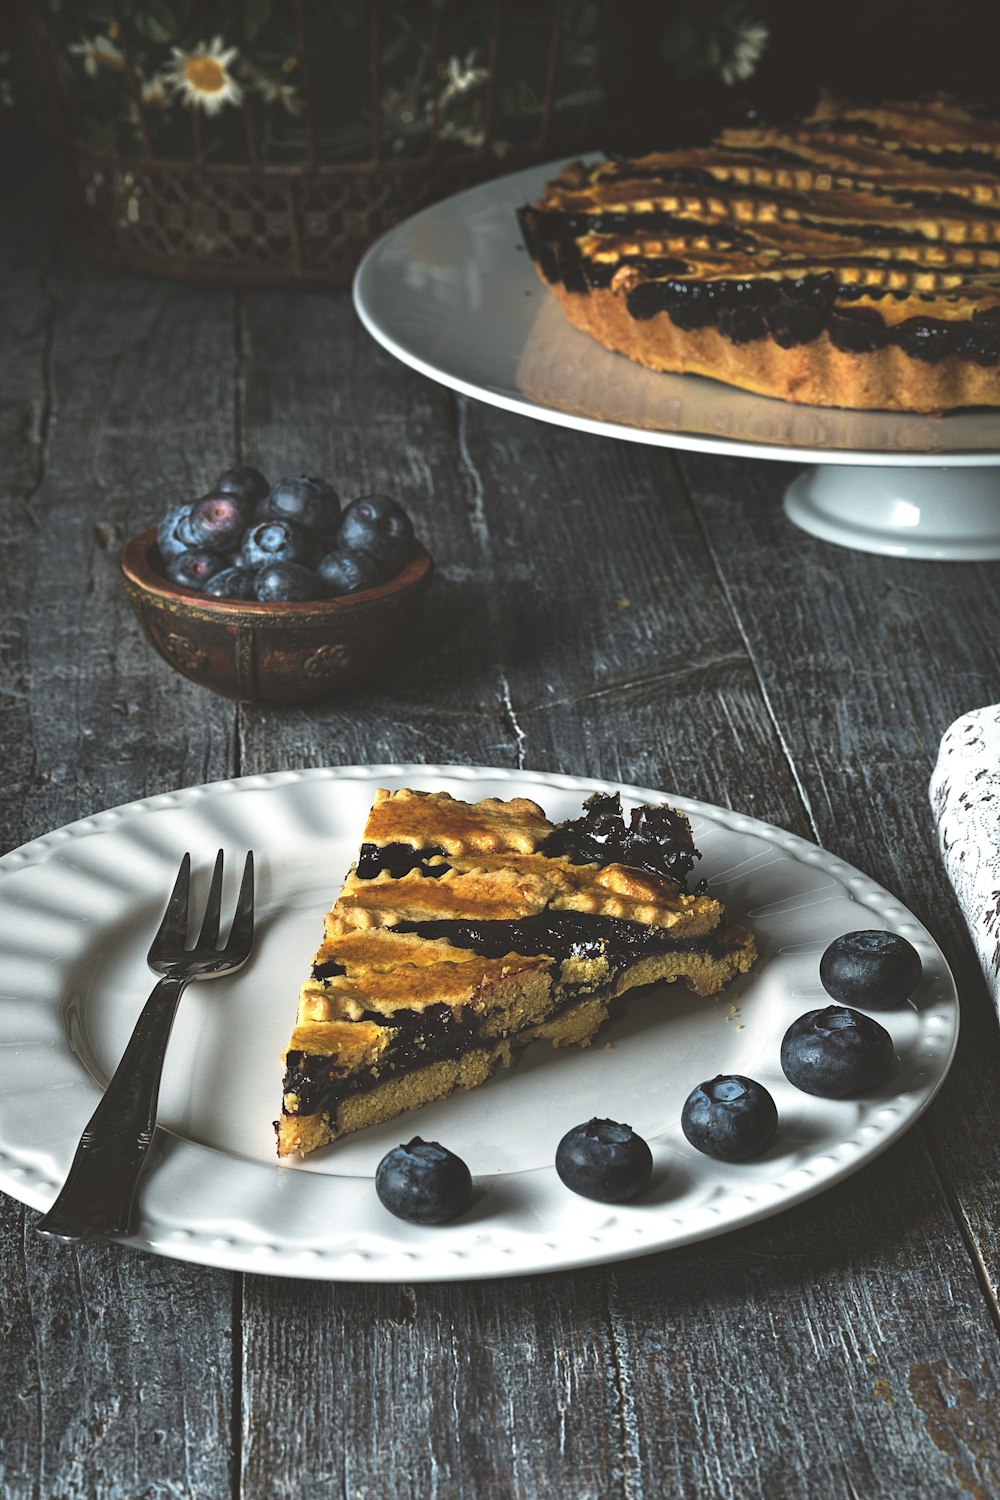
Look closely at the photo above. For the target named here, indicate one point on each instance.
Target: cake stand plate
(938, 512)
(452, 293)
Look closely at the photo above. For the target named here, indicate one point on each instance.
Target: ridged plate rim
(182, 1192)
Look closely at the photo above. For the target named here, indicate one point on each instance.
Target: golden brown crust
(425, 819)
(851, 259)
(412, 987)
(574, 1025)
(506, 893)
(381, 999)
(815, 374)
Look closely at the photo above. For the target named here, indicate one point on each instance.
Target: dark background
(864, 49)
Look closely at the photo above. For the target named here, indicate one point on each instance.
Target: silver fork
(98, 1197)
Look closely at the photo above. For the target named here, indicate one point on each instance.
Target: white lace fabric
(965, 796)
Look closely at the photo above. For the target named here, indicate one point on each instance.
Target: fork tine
(209, 934)
(241, 937)
(172, 930)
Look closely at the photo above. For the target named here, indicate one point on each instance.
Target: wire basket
(277, 156)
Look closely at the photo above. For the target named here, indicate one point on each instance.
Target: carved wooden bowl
(271, 653)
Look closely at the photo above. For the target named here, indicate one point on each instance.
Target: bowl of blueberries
(276, 594)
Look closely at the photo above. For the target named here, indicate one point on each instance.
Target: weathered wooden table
(599, 608)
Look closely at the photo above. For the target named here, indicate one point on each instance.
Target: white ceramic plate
(452, 293)
(79, 906)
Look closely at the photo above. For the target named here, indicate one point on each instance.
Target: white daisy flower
(748, 44)
(466, 135)
(203, 76)
(154, 91)
(98, 52)
(462, 78)
(272, 92)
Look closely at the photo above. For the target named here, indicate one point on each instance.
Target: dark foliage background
(865, 49)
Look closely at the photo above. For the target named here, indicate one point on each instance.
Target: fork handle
(98, 1196)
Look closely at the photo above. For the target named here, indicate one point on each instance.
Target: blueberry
(194, 569)
(423, 1182)
(729, 1117)
(168, 540)
(308, 502)
(349, 572)
(281, 582)
(183, 531)
(218, 521)
(232, 583)
(275, 541)
(379, 526)
(246, 484)
(604, 1160)
(875, 969)
(836, 1053)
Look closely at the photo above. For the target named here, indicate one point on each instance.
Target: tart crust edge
(813, 374)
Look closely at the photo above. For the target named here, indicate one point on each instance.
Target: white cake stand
(452, 293)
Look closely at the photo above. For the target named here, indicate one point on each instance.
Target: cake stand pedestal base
(946, 513)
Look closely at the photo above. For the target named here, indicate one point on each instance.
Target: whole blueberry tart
(849, 259)
(464, 931)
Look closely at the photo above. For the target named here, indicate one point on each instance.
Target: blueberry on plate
(168, 538)
(836, 1053)
(217, 522)
(247, 484)
(275, 541)
(730, 1117)
(605, 1161)
(232, 583)
(308, 502)
(876, 969)
(282, 582)
(349, 572)
(379, 526)
(194, 569)
(423, 1182)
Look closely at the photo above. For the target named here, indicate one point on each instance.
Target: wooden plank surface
(615, 650)
(598, 608)
(865, 668)
(116, 1366)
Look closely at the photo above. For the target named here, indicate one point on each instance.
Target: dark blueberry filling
(328, 970)
(776, 155)
(546, 230)
(689, 176)
(749, 309)
(423, 1036)
(796, 319)
(796, 312)
(929, 339)
(945, 203)
(982, 337)
(398, 860)
(876, 234)
(793, 311)
(438, 1031)
(857, 330)
(657, 839)
(973, 159)
(557, 934)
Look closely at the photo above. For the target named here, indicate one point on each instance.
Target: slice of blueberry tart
(467, 930)
(850, 259)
